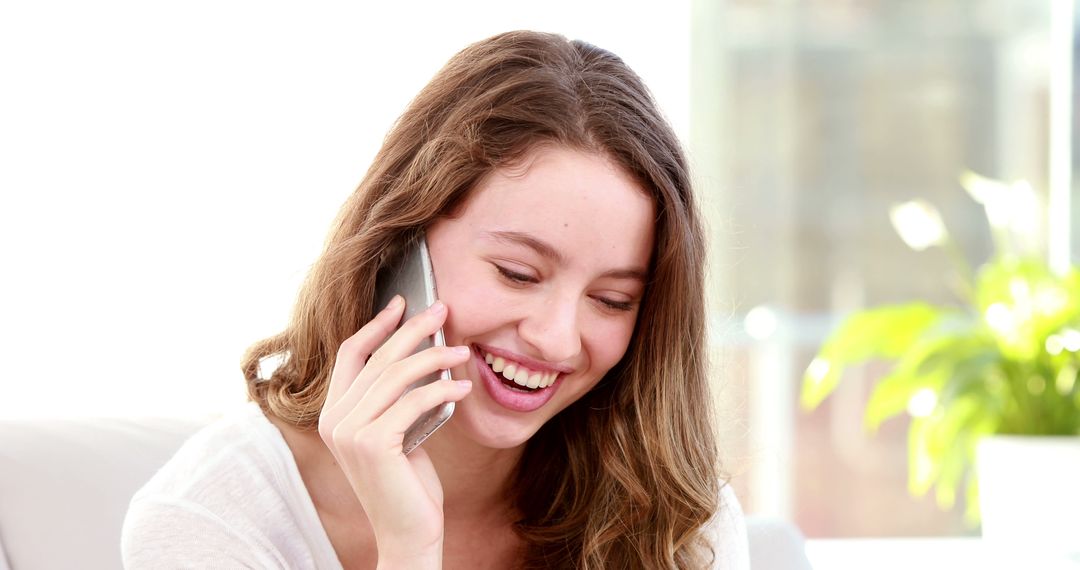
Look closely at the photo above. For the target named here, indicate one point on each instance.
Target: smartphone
(411, 277)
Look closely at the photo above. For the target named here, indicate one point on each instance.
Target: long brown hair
(627, 476)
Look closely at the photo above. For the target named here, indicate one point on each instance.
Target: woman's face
(542, 270)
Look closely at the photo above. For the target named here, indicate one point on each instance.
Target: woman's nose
(553, 329)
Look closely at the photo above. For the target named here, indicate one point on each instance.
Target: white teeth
(519, 374)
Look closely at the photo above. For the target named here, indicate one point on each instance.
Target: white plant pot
(1029, 493)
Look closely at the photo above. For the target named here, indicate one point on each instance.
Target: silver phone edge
(435, 418)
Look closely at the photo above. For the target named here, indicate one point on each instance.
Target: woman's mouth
(513, 384)
(521, 377)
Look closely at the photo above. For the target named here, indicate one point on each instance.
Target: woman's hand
(364, 419)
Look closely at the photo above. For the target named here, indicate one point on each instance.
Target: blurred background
(168, 174)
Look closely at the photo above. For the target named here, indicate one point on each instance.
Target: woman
(557, 207)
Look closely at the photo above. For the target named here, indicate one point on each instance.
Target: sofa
(65, 486)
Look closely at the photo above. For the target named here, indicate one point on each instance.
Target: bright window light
(171, 170)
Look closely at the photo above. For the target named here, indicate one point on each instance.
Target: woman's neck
(476, 480)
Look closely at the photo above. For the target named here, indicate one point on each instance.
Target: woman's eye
(514, 276)
(609, 304)
(606, 303)
(615, 305)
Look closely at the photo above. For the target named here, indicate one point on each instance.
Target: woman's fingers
(387, 430)
(399, 346)
(365, 416)
(355, 350)
(404, 341)
(382, 394)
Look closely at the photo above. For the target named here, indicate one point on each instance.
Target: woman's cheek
(611, 339)
(487, 307)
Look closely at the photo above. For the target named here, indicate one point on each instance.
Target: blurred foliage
(1003, 361)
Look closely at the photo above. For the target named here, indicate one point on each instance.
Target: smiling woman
(532, 268)
(565, 241)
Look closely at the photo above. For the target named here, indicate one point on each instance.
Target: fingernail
(462, 350)
(437, 308)
(463, 384)
(394, 303)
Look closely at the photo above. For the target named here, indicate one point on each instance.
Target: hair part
(628, 475)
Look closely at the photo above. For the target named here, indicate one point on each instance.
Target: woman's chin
(493, 430)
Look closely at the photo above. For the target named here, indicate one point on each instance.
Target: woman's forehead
(570, 199)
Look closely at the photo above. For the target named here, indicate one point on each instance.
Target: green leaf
(953, 466)
(975, 373)
(883, 332)
(940, 448)
(893, 393)
(972, 511)
(1023, 302)
(954, 441)
(922, 464)
(929, 364)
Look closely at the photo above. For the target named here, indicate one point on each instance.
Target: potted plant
(1001, 362)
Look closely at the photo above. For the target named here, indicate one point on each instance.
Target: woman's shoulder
(233, 485)
(726, 532)
(232, 450)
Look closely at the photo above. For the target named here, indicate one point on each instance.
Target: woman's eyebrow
(547, 251)
(634, 274)
(541, 247)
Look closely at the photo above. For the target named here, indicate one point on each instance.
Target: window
(811, 118)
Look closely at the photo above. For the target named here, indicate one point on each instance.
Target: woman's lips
(507, 397)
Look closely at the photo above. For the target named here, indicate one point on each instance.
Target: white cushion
(775, 544)
(65, 485)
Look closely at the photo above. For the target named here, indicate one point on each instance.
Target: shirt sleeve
(727, 533)
(176, 534)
